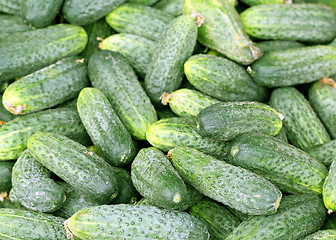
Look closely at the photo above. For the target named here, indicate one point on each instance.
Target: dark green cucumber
(14, 134)
(172, 132)
(176, 45)
(105, 129)
(143, 2)
(111, 73)
(218, 219)
(304, 129)
(40, 13)
(287, 167)
(155, 179)
(10, 6)
(294, 66)
(173, 7)
(322, 235)
(236, 187)
(135, 222)
(24, 53)
(83, 12)
(165, 113)
(46, 87)
(221, 29)
(225, 121)
(222, 79)
(322, 98)
(298, 216)
(127, 192)
(294, 22)
(32, 186)
(140, 20)
(11, 24)
(263, 2)
(330, 222)
(84, 170)
(136, 49)
(277, 45)
(325, 152)
(6, 175)
(329, 195)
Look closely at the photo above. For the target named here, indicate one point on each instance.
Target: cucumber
(173, 7)
(282, 135)
(111, 73)
(221, 29)
(294, 22)
(11, 24)
(6, 175)
(72, 162)
(40, 13)
(165, 113)
(218, 219)
(297, 217)
(172, 132)
(32, 186)
(262, 2)
(135, 222)
(304, 129)
(107, 132)
(143, 2)
(165, 71)
(69, 104)
(222, 79)
(10, 6)
(127, 192)
(5, 116)
(46, 87)
(294, 66)
(125, 19)
(24, 53)
(325, 152)
(136, 49)
(249, 192)
(14, 134)
(7, 203)
(225, 121)
(287, 167)
(330, 3)
(277, 45)
(329, 195)
(322, 235)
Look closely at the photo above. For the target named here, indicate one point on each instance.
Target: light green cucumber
(329, 195)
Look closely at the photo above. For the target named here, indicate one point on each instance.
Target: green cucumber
(304, 129)
(330, 3)
(236, 187)
(5, 116)
(173, 7)
(263, 2)
(218, 219)
(46, 87)
(294, 66)
(143, 2)
(172, 132)
(329, 195)
(297, 217)
(6, 175)
(24, 53)
(176, 45)
(287, 167)
(127, 192)
(11, 24)
(221, 29)
(14, 134)
(322, 235)
(32, 186)
(282, 135)
(222, 79)
(325, 152)
(69, 104)
(10, 6)
(7, 203)
(225, 121)
(165, 113)
(111, 73)
(125, 19)
(136, 49)
(277, 45)
(295, 22)
(135, 222)
(105, 129)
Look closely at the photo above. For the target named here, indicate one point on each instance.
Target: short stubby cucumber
(329, 234)
(135, 222)
(6, 175)
(173, 7)
(329, 195)
(233, 186)
(84, 170)
(325, 152)
(11, 24)
(277, 45)
(225, 121)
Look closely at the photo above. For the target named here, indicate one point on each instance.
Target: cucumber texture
(322, 235)
(173, 7)
(329, 196)
(11, 24)
(6, 175)
(10, 6)
(325, 153)
(277, 45)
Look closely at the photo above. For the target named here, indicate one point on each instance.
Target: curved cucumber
(277, 45)
(6, 175)
(11, 24)
(325, 152)
(322, 235)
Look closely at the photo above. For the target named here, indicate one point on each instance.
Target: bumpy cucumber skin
(24, 224)
(165, 72)
(322, 235)
(236, 187)
(6, 175)
(173, 7)
(127, 192)
(277, 45)
(105, 129)
(295, 22)
(14, 134)
(10, 6)
(304, 129)
(223, 79)
(155, 179)
(294, 66)
(32, 186)
(329, 195)
(287, 167)
(135, 222)
(322, 98)
(262, 2)
(136, 49)
(218, 219)
(24, 53)
(72, 162)
(111, 73)
(46, 87)
(11, 24)
(225, 121)
(172, 132)
(298, 216)
(139, 20)
(223, 30)
(325, 153)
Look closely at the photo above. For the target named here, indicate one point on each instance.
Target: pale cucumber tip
(2, 123)
(329, 81)
(69, 234)
(165, 97)
(170, 154)
(281, 116)
(277, 203)
(14, 109)
(3, 196)
(80, 60)
(330, 211)
(177, 198)
(100, 45)
(199, 18)
(234, 150)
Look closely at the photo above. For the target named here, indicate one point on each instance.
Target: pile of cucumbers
(168, 119)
